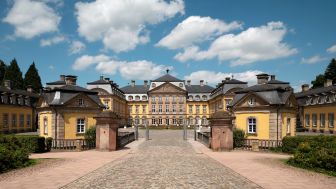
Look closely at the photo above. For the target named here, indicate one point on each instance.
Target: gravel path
(165, 161)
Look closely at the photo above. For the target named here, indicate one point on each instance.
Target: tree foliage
(319, 81)
(14, 74)
(2, 70)
(330, 73)
(32, 78)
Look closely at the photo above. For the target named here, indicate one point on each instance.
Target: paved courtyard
(166, 161)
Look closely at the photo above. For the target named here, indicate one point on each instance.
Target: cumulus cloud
(141, 69)
(52, 41)
(213, 77)
(252, 45)
(32, 18)
(196, 29)
(332, 49)
(312, 60)
(106, 21)
(76, 47)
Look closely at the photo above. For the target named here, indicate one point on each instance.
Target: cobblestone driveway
(165, 161)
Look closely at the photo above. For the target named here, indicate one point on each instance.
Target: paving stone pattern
(165, 161)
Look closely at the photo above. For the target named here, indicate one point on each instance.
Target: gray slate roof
(99, 82)
(137, 89)
(277, 82)
(257, 88)
(199, 89)
(316, 91)
(56, 83)
(18, 92)
(167, 78)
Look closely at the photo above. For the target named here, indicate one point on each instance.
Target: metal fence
(249, 144)
(204, 137)
(72, 144)
(125, 138)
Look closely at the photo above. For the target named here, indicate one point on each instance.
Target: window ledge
(252, 134)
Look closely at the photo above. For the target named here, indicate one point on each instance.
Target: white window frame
(252, 125)
(80, 125)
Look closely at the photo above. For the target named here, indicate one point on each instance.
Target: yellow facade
(45, 120)
(318, 110)
(201, 113)
(70, 124)
(15, 118)
(262, 123)
(115, 104)
(288, 129)
(138, 111)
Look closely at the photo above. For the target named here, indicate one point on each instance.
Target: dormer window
(190, 97)
(153, 85)
(309, 101)
(181, 85)
(130, 98)
(137, 98)
(80, 102)
(322, 100)
(144, 97)
(197, 97)
(251, 101)
(204, 97)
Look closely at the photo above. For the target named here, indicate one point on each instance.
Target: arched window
(130, 98)
(190, 97)
(153, 85)
(181, 85)
(204, 97)
(45, 125)
(137, 97)
(144, 97)
(197, 97)
(251, 101)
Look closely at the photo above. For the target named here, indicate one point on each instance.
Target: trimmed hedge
(238, 138)
(13, 153)
(291, 143)
(48, 142)
(34, 143)
(90, 136)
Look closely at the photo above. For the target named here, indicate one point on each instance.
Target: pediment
(42, 103)
(258, 101)
(291, 102)
(167, 88)
(75, 102)
(100, 91)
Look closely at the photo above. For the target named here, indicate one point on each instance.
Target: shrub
(238, 138)
(90, 135)
(290, 143)
(34, 143)
(13, 153)
(48, 142)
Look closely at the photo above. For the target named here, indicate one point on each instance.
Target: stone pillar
(107, 124)
(221, 131)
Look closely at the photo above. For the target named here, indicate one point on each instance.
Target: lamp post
(147, 130)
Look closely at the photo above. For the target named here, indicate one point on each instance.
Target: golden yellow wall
(318, 110)
(12, 109)
(194, 104)
(140, 104)
(262, 119)
(292, 116)
(70, 124)
(41, 116)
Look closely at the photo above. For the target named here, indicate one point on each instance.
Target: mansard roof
(60, 82)
(99, 82)
(316, 91)
(136, 89)
(167, 78)
(199, 89)
(18, 92)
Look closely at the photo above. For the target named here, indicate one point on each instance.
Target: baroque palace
(268, 110)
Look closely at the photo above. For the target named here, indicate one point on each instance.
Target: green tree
(2, 70)
(319, 81)
(32, 78)
(14, 74)
(330, 72)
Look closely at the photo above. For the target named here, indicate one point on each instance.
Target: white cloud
(32, 18)
(52, 41)
(312, 60)
(141, 69)
(252, 45)
(213, 77)
(76, 47)
(332, 49)
(120, 24)
(196, 29)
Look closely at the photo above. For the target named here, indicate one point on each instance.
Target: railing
(249, 144)
(204, 137)
(72, 144)
(125, 138)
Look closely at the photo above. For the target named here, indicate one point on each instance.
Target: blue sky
(198, 39)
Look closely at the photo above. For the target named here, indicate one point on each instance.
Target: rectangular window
(288, 125)
(181, 99)
(174, 121)
(143, 109)
(331, 119)
(174, 108)
(28, 120)
(21, 120)
(80, 102)
(190, 109)
(314, 120)
(153, 121)
(252, 125)
(181, 108)
(307, 120)
(14, 120)
(153, 98)
(5, 120)
(173, 98)
(137, 109)
(167, 99)
(80, 125)
(130, 109)
(160, 121)
(204, 109)
(322, 120)
(106, 104)
(160, 98)
(167, 108)
(197, 109)
(160, 108)
(167, 121)
(45, 125)
(153, 108)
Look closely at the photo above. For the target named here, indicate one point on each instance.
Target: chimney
(101, 77)
(272, 77)
(62, 77)
(29, 89)
(327, 83)
(202, 82)
(8, 84)
(145, 83)
(305, 87)
(107, 79)
(188, 82)
(70, 80)
(133, 83)
(262, 78)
